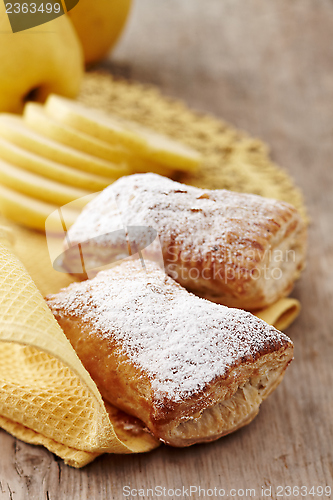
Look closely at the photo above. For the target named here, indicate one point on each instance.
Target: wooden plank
(266, 67)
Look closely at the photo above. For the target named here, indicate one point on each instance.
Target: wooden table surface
(266, 67)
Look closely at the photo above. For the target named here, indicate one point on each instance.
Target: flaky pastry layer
(190, 369)
(236, 249)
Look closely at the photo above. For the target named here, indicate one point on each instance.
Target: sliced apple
(162, 149)
(16, 131)
(31, 212)
(47, 168)
(93, 122)
(110, 129)
(38, 187)
(36, 118)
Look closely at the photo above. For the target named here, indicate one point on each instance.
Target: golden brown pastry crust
(236, 249)
(190, 369)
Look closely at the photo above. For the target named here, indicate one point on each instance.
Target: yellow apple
(38, 61)
(99, 24)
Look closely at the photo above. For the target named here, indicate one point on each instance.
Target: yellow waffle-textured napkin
(281, 314)
(46, 395)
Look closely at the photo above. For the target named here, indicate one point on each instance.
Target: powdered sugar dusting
(213, 226)
(182, 342)
(177, 209)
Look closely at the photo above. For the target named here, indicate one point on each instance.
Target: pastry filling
(227, 415)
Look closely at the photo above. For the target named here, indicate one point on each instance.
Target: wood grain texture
(266, 67)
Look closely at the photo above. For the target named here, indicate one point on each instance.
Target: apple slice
(167, 151)
(143, 141)
(16, 131)
(38, 187)
(36, 118)
(31, 212)
(93, 122)
(47, 168)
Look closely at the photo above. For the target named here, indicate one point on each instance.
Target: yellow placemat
(46, 395)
